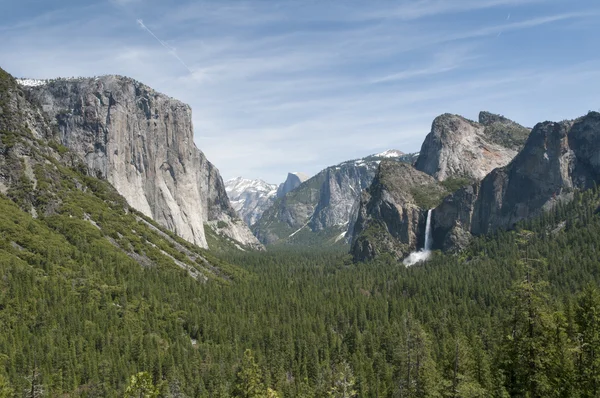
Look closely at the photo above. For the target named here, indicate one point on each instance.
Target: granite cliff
(141, 141)
(460, 148)
(73, 218)
(558, 158)
(456, 153)
(292, 182)
(392, 210)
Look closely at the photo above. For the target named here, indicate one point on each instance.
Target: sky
(279, 86)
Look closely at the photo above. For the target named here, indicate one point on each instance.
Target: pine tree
(343, 382)
(141, 386)
(249, 383)
(588, 358)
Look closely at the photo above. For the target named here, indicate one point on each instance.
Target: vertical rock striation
(142, 142)
(557, 158)
(393, 211)
(460, 148)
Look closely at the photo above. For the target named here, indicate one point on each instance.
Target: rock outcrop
(392, 211)
(557, 158)
(292, 182)
(460, 148)
(142, 142)
(250, 198)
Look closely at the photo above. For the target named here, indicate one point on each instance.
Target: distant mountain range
(321, 210)
(250, 198)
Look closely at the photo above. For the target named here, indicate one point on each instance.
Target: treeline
(518, 314)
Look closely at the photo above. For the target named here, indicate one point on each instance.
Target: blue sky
(297, 85)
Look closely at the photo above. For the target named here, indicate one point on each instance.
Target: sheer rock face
(250, 198)
(557, 158)
(458, 147)
(141, 141)
(391, 218)
(322, 205)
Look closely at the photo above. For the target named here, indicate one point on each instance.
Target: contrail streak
(172, 51)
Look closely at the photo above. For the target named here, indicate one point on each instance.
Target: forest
(515, 315)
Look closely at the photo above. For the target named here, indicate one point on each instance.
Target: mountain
(390, 216)
(390, 153)
(460, 148)
(292, 182)
(141, 142)
(250, 198)
(56, 215)
(322, 209)
(558, 158)
(457, 152)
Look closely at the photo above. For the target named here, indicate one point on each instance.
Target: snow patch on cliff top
(31, 82)
(390, 153)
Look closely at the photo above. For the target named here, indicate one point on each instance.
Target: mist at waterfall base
(425, 252)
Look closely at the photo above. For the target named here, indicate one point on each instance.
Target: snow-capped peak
(390, 153)
(250, 198)
(240, 184)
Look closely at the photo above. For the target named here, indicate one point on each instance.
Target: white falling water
(427, 247)
(425, 252)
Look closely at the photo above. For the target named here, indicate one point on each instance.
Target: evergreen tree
(343, 382)
(141, 386)
(249, 379)
(588, 358)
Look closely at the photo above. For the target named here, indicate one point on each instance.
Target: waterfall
(428, 232)
(425, 252)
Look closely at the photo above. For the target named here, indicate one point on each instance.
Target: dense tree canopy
(517, 314)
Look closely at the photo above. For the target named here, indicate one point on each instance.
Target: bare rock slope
(323, 209)
(460, 148)
(457, 152)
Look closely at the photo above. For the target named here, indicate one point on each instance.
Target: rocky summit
(489, 175)
(460, 148)
(292, 182)
(55, 212)
(456, 153)
(141, 141)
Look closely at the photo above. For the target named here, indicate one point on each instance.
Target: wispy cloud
(171, 50)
